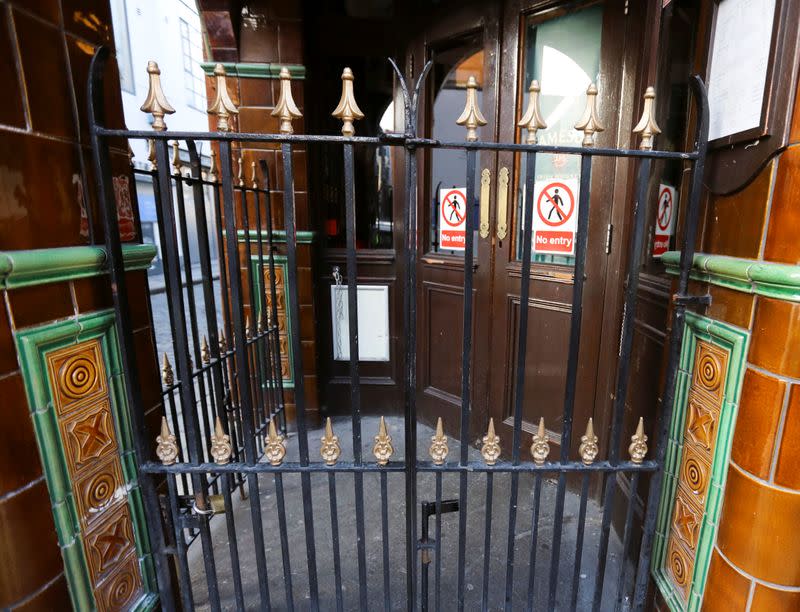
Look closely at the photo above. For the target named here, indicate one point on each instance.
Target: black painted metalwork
(228, 370)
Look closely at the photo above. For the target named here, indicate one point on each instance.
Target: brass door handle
(486, 182)
(502, 203)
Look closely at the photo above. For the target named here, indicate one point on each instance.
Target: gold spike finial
(491, 445)
(176, 156)
(472, 118)
(588, 449)
(274, 450)
(540, 447)
(347, 109)
(222, 106)
(212, 168)
(253, 175)
(383, 448)
(248, 329)
(223, 344)
(439, 448)
(330, 449)
(647, 125)
(167, 375)
(205, 353)
(166, 447)
(638, 447)
(286, 109)
(221, 448)
(156, 103)
(532, 119)
(589, 123)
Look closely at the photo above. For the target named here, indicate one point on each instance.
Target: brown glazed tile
(782, 244)
(93, 293)
(18, 446)
(89, 19)
(54, 597)
(787, 473)
(776, 336)
(8, 350)
(138, 299)
(147, 363)
(46, 77)
(24, 222)
(757, 422)
(766, 599)
(29, 552)
(11, 107)
(259, 120)
(290, 47)
(41, 304)
(758, 529)
(735, 223)
(259, 44)
(726, 589)
(256, 92)
(731, 306)
(219, 29)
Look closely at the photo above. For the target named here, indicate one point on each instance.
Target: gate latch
(428, 510)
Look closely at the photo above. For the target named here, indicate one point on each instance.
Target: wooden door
(463, 41)
(565, 46)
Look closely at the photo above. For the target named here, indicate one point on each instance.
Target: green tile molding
(734, 341)
(775, 280)
(33, 346)
(42, 266)
(256, 71)
(278, 236)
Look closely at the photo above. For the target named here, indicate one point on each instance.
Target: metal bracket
(691, 300)
(426, 544)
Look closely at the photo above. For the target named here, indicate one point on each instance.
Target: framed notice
(741, 73)
(373, 322)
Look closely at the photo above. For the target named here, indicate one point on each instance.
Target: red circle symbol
(664, 215)
(454, 208)
(559, 202)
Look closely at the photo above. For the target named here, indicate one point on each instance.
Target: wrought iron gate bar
(226, 395)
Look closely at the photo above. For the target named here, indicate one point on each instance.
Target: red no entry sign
(555, 204)
(452, 218)
(665, 208)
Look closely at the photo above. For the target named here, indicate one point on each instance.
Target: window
(194, 79)
(119, 17)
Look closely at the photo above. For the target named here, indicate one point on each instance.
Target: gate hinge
(609, 233)
(692, 300)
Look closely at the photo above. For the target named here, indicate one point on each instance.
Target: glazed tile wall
(47, 200)
(271, 35)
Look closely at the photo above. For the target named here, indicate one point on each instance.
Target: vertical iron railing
(224, 407)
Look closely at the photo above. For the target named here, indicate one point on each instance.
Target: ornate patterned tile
(77, 373)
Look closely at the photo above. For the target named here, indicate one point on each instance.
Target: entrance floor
(475, 537)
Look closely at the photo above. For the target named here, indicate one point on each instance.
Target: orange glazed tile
(757, 422)
(776, 336)
(735, 223)
(766, 599)
(788, 470)
(758, 529)
(726, 589)
(730, 306)
(782, 244)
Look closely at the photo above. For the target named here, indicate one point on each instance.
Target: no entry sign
(452, 218)
(555, 216)
(665, 219)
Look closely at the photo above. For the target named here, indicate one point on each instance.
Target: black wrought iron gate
(224, 409)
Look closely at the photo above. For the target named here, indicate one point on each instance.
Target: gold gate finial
(472, 118)
(286, 109)
(439, 448)
(221, 448)
(223, 344)
(205, 353)
(589, 123)
(588, 449)
(540, 447)
(347, 110)
(638, 447)
(166, 447)
(274, 450)
(156, 103)
(167, 376)
(330, 449)
(532, 119)
(248, 329)
(222, 106)
(647, 125)
(491, 445)
(383, 448)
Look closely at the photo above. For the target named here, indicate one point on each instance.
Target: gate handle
(486, 181)
(502, 203)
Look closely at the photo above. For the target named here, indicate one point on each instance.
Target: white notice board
(739, 60)
(373, 322)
